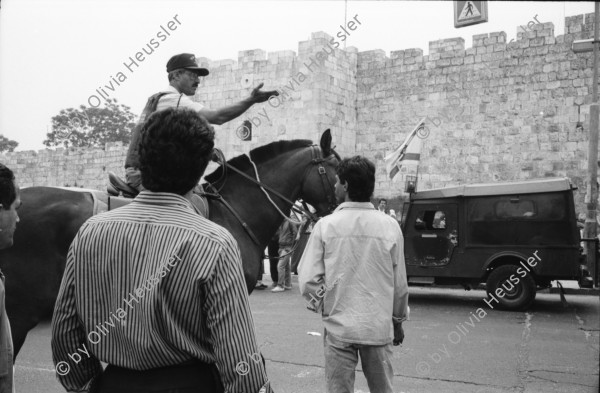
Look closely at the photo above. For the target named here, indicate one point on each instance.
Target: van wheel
(519, 293)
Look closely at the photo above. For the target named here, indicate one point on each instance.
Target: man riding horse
(184, 76)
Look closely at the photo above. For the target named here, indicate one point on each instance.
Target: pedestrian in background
(287, 236)
(302, 238)
(10, 201)
(393, 214)
(382, 205)
(353, 272)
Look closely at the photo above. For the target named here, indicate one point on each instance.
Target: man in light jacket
(353, 271)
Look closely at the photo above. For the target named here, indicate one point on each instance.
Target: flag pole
(417, 182)
(397, 155)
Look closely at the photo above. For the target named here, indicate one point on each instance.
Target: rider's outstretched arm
(227, 113)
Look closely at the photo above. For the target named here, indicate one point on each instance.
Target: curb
(573, 291)
(568, 290)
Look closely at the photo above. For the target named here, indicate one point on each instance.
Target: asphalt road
(549, 348)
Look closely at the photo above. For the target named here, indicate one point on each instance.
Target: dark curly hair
(175, 149)
(359, 172)
(8, 192)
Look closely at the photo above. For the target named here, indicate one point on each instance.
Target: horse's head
(318, 182)
(283, 171)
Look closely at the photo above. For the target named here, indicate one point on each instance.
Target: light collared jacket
(6, 345)
(353, 270)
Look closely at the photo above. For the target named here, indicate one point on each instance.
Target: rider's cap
(187, 61)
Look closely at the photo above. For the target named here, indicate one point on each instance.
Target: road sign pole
(590, 221)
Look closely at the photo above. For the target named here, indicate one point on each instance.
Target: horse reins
(215, 194)
(318, 160)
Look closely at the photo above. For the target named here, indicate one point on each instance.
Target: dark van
(516, 237)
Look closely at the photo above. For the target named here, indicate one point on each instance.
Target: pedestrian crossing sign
(469, 12)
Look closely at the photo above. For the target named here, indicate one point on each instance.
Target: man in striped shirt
(154, 289)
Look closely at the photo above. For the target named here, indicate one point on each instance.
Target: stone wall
(87, 168)
(495, 111)
(318, 90)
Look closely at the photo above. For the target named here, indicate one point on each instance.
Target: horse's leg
(32, 294)
(274, 258)
(252, 257)
(34, 265)
(251, 253)
(20, 326)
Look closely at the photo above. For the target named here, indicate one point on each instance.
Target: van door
(433, 234)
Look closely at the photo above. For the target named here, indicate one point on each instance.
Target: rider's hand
(258, 96)
(398, 333)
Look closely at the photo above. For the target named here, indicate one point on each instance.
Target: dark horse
(50, 218)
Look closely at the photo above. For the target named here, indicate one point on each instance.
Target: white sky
(54, 54)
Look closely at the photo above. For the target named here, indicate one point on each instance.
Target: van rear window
(533, 219)
(515, 208)
(524, 207)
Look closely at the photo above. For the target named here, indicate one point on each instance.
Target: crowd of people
(187, 321)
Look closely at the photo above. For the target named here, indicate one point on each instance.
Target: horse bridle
(317, 160)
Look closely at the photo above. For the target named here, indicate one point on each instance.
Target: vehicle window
(540, 207)
(480, 209)
(515, 209)
(526, 220)
(430, 219)
(553, 207)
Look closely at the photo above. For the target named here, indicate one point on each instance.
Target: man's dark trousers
(190, 377)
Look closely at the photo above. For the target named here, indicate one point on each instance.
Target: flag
(409, 151)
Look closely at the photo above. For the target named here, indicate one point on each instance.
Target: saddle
(118, 188)
(120, 194)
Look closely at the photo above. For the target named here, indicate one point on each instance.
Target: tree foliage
(87, 127)
(7, 144)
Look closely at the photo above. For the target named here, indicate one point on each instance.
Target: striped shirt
(153, 284)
